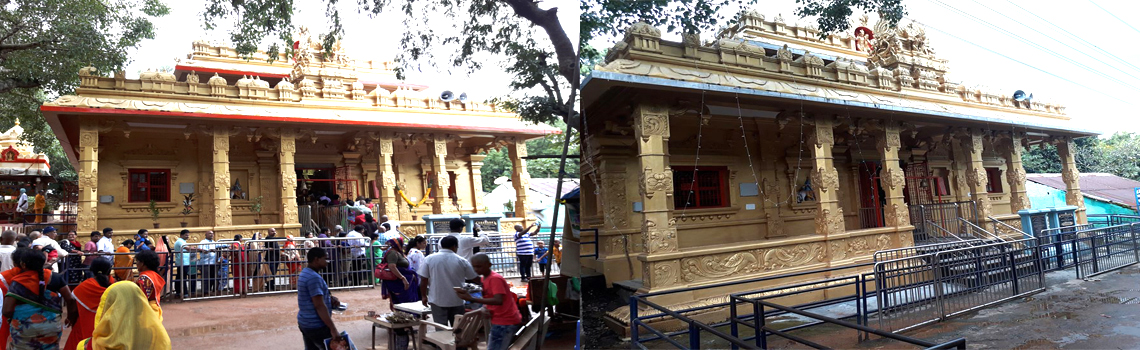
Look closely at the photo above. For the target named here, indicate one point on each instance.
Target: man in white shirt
(359, 262)
(208, 263)
(22, 204)
(48, 239)
(104, 244)
(440, 274)
(7, 246)
(467, 243)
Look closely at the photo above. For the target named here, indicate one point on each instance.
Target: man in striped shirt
(524, 249)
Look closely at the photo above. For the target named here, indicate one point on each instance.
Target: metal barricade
(945, 215)
(123, 267)
(918, 290)
(501, 250)
(1105, 249)
(251, 267)
(899, 253)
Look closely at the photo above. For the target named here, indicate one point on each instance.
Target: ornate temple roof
(887, 68)
(18, 158)
(307, 88)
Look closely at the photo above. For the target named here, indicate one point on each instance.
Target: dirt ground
(270, 322)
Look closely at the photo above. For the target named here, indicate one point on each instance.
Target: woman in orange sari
(124, 260)
(293, 256)
(151, 283)
(6, 277)
(34, 306)
(88, 294)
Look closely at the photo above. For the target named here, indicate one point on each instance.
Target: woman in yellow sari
(126, 321)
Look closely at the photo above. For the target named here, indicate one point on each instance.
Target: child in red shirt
(498, 300)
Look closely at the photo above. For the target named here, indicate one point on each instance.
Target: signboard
(1136, 191)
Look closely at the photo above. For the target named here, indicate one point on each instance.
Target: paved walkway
(1101, 313)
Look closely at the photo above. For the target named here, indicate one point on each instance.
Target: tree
(44, 43)
(546, 74)
(498, 164)
(602, 18)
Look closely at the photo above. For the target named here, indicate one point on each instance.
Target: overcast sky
(1099, 109)
(365, 38)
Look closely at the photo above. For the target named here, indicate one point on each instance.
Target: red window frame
(994, 177)
(710, 190)
(147, 185)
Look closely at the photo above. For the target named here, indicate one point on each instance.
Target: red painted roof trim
(61, 109)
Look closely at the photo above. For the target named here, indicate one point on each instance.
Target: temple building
(260, 144)
(767, 150)
(20, 168)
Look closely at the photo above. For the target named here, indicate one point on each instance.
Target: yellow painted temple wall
(257, 170)
(714, 244)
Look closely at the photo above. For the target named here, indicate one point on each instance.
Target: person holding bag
(398, 282)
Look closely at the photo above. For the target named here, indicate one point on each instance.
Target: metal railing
(907, 288)
(760, 306)
(654, 312)
(975, 231)
(501, 250)
(1009, 227)
(1102, 220)
(945, 216)
(593, 243)
(870, 217)
(231, 269)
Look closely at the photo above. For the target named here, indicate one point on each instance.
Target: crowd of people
(103, 312)
(437, 280)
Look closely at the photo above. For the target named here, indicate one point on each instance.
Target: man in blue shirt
(314, 315)
(185, 264)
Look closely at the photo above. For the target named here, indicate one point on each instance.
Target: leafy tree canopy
(498, 164)
(44, 43)
(1118, 154)
(546, 71)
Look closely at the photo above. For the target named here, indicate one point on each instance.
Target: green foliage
(187, 204)
(469, 29)
(255, 205)
(45, 43)
(1118, 155)
(509, 206)
(498, 162)
(153, 208)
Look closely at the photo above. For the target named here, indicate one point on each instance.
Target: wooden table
(378, 321)
(416, 309)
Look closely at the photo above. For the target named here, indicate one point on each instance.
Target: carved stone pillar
(891, 176)
(1015, 174)
(520, 177)
(960, 168)
(770, 193)
(267, 180)
(441, 204)
(223, 213)
(825, 178)
(976, 176)
(476, 163)
(288, 176)
(88, 173)
(352, 172)
(204, 201)
(658, 228)
(1071, 176)
(387, 179)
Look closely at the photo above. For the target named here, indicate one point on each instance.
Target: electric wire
(1114, 16)
(1037, 46)
(1054, 39)
(1071, 35)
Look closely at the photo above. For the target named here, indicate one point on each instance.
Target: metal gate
(917, 290)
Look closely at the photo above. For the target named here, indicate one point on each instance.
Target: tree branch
(7, 85)
(548, 21)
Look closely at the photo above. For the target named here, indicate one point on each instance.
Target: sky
(365, 38)
(1108, 105)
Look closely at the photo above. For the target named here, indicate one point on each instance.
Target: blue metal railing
(593, 243)
(1019, 264)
